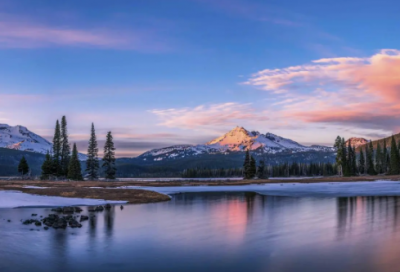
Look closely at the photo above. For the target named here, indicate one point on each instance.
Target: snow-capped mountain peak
(236, 140)
(20, 138)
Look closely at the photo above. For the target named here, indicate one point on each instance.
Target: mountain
(356, 142)
(20, 138)
(237, 140)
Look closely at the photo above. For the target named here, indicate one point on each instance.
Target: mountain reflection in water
(214, 232)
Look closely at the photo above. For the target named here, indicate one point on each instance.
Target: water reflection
(372, 213)
(216, 232)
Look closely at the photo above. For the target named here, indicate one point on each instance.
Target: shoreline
(101, 189)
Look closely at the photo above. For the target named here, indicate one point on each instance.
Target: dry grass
(81, 189)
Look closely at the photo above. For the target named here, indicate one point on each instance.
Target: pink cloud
(22, 34)
(347, 90)
(225, 114)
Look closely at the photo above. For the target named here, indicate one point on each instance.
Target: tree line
(61, 163)
(383, 160)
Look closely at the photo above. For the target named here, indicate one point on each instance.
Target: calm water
(214, 232)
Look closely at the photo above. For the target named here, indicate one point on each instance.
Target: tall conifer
(47, 167)
(394, 158)
(65, 148)
(361, 165)
(23, 167)
(92, 162)
(246, 165)
(339, 155)
(378, 159)
(109, 158)
(57, 151)
(74, 167)
(384, 158)
(344, 162)
(253, 167)
(370, 159)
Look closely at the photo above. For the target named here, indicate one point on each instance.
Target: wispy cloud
(352, 91)
(18, 33)
(209, 116)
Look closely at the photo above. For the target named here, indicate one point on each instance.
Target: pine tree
(47, 168)
(65, 148)
(370, 160)
(74, 167)
(384, 158)
(253, 167)
(246, 165)
(23, 167)
(378, 159)
(354, 162)
(261, 169)
(344, 162)
(362, 162)
(109, 158)
(56, 171)
(92, 162)
(339, 155)
(394, 158)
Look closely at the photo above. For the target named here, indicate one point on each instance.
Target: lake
(232, 231)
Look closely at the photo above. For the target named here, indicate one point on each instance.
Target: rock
(122, 207)
(34, 214)
(78, 209)
(59, 210)
(84, 218)
(38, 224)
(107, 206)
(46, 228)
(8, 220)
(91, 209)
(99, 208)
(68, 210)
(74, 224)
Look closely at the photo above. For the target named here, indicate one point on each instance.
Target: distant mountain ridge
(356, 142)
(237, 140)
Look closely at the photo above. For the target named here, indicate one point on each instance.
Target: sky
(158, 73)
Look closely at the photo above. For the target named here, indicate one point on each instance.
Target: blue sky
(158, 73)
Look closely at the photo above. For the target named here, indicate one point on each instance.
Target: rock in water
(107, 206)
(84, 218)
(99, 209)
(68, 210)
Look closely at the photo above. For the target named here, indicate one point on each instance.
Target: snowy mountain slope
(236, 140)
(20, 138)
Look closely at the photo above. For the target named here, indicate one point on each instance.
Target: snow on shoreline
(16, 199)
(325, 189)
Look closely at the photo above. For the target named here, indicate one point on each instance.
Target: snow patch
(15, 199)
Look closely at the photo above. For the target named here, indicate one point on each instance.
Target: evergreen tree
(23, 167)
(74, 167)
(246, 165)
(339, 155)
(354, 162)
(384, 158)
(47, 168)
(378, 159)
(56, 171)
(92, 162)
(362, 162)
(253, 167)
(344, 162)
(370, 160)
(261, 169)
(394, 158)
(65, 148)
(109, 158)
